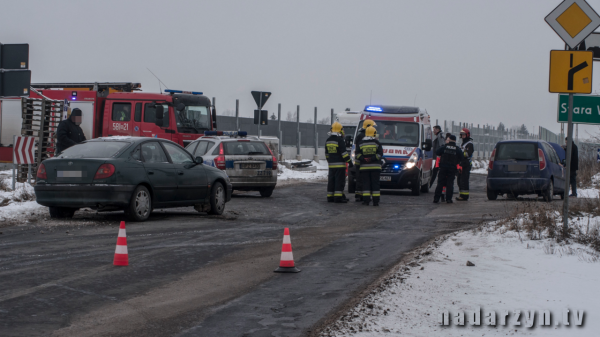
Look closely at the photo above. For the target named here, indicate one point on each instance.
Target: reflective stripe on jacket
(335, 151)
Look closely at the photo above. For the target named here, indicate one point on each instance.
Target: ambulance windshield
(397, 133)
(193, 119)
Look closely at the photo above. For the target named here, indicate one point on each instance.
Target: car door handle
(150, 172)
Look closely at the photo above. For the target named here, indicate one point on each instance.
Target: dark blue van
(520, 167)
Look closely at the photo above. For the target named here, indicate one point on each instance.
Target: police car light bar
(183, 92)
(226, 133)
(374, 109)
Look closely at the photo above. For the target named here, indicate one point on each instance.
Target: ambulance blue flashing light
(374, 109)
(170, 91)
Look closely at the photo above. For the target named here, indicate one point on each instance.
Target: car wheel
(62, 212)
(549, 193)
(492, 195)
(266, 192)
(351, 183)
(416, 190)
(140, 205)
(217, 199)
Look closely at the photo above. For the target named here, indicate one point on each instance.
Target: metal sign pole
(14, 167)
(568, 164)
(259, 115)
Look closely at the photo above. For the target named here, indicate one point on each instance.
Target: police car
(247, 160)
(405, 134)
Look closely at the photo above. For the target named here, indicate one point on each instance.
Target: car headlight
(412, 161)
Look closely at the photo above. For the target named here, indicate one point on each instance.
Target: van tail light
(274, 159)
(491, 162)
(220, 160)
(105, 171)
(542, 159)
(41, 172)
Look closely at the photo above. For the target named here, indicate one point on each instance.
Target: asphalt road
(192, 274)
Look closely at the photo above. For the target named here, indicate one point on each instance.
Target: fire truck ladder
(96, 86)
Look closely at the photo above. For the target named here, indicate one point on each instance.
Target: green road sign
(586, 109)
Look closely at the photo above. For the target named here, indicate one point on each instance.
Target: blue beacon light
(374, 109)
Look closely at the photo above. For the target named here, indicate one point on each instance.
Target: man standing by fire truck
(69, 132)
(464, 169)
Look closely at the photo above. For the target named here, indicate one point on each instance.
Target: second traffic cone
(286, 263)
(121, 256)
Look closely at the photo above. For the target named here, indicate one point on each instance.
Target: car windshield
(246, 148)
(94, 150)
(193, 119)
(397, 133)
(516, 151)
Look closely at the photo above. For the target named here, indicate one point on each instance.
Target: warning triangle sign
(260, 97)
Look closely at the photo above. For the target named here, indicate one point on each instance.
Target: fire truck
(119, 109)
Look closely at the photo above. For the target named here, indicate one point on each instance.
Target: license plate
(385, 178)
(517, 168)
(264, 173)
(69, 174)
(250, 166)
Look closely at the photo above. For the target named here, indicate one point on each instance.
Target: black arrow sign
(261, 97)
(574, 70)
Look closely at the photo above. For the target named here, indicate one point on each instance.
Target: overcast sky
(471, 61)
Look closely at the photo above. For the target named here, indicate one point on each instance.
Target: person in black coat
(574, 168)
(69, 132)
(450, 155)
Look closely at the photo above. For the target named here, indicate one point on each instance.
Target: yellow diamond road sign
(571, 71)
(573, 21)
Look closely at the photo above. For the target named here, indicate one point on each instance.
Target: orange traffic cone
(286, 263)
(121, 256)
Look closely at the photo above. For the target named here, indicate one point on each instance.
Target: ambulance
(406, 136)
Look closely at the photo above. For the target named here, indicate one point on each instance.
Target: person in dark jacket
(359, 137)
(450, 155)
(69, 132)
(368, 156)
(337, 157)
(574, 168)
(438, 141)
(464, 170)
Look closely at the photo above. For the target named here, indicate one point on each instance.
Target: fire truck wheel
(140, 205)
(217, 199)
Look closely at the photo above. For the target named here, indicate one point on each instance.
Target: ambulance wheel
(416, 189)
(425, 188)
(351, 183)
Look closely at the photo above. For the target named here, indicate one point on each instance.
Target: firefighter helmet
(466, 131)
(370, 132)
(337, 127)
(368, 123)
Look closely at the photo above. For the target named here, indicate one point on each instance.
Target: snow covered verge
(287, 176)
(17, 205)
(521, 263)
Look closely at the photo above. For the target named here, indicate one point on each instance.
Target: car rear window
(246, 148)
(516, 151)
(94, 150)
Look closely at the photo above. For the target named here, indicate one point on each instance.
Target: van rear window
(246, 148)
(516, 151)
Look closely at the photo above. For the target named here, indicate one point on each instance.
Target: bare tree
(291, 116)
(309, 121)
(323, 120)
(227, 112)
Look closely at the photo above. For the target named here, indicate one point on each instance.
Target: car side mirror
(159, 122)
(180, 107)
(160, 113)
(199, 160)
(427, 144)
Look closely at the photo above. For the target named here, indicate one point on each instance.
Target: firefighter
(369, 154)
(359, 137)
(464, 170)
(449, 155)
(337, 157)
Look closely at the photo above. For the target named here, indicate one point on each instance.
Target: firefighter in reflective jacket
(464, 170)
(368, 155)
(337, 157)
(449, 155)
(359, 137)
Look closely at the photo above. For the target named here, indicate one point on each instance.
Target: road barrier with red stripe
(23, 150)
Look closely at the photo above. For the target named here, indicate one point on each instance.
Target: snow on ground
(286, 175)
(17, 204)
(588, 193)
(510, 273)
